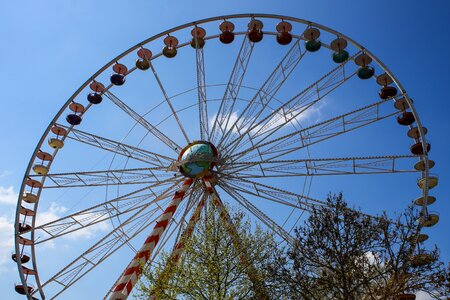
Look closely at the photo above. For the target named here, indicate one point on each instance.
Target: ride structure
(250, 143)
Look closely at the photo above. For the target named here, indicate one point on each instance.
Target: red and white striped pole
(179, 247)
(132, 273)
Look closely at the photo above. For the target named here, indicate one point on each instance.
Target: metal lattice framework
(241, 93)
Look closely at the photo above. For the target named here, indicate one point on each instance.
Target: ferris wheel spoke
(151, 158)
(291, 110)
(271, 193)
(222, 119)
(281, 196)
(91, 259)
(105, 177)
(143, 122)
(102, 249)
(201, 90)
(319, 132)
(107, 210)
(266, 93)
(258, 213)
(323, 166)
(167, 98)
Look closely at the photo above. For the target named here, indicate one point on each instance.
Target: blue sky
(50, 48)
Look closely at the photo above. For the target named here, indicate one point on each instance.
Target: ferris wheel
(266, 112)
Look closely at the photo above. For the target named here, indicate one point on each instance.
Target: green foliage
(338, 253)
(212, 266)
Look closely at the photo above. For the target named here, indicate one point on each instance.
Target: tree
(404, 266)
(211, 266)
(340, 253)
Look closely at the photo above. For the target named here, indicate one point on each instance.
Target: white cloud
(311, 115)
(5, 173)
(233, 118)
(6, 244)
(370, 257)
(423, 296)
(56, 211)
(90, 231)
(8, 196)
(293, 116)
(53, 213)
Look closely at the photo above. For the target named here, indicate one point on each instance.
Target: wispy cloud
(6, 244)
(5, 173)
(52, 213)
(8, 196)
(423, 296)
(56, 211)
(310, 115)
(232, 119)
(89, 232)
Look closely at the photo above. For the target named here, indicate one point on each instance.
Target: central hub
(197, 159)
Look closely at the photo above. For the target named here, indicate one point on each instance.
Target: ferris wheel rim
(168, 32)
